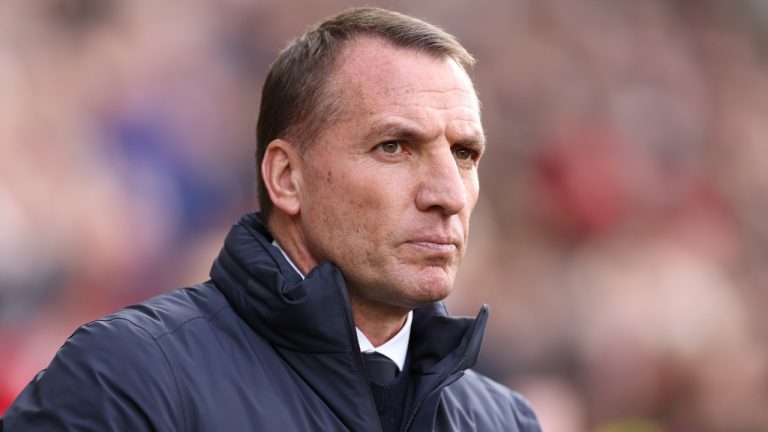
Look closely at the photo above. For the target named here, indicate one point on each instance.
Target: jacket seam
(167, 362)
(207, 318)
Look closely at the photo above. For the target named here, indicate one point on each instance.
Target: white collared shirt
(395, 349)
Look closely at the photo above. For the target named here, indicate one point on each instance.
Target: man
(323, 312)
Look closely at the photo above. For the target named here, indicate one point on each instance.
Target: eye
(463, 153)
(390, 147)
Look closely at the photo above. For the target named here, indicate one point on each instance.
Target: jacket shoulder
(109, 375)
(477, 400)
(168, 312)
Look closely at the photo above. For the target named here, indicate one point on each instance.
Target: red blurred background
(621, 234)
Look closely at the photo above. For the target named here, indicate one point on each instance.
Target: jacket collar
(314, 315)
(309, 323)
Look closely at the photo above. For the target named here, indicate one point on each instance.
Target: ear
(281, 174)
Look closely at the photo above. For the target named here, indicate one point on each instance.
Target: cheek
(473, 192)
(342, 203)
(360, 191)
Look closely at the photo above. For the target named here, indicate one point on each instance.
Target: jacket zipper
(359, 357)
(436, 387)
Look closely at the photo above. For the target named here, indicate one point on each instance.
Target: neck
(378, 322)
(286, 230)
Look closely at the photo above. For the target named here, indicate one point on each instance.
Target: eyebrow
(397, 130)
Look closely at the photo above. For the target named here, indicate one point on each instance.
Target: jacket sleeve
(110, 375)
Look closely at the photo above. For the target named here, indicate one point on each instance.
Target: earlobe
(281, 174)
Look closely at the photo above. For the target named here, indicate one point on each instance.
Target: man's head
(379, 173)
(299, 97)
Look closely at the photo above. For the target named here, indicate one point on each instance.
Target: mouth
(435, 245)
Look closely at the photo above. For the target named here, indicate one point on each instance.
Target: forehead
(374, 77)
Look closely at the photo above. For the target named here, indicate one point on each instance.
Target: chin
(416, 301)
(404, 287)
(429, 288)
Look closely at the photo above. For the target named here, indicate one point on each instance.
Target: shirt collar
(395, 349)
(287, 258)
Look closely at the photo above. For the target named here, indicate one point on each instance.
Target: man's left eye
(390, 147)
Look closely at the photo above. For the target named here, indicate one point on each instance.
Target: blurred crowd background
(621, 235)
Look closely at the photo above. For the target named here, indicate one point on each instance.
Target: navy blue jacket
(258, 349)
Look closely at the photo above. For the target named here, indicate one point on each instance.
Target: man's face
(388, 188)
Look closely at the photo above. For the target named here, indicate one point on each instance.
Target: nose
(442, 187)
